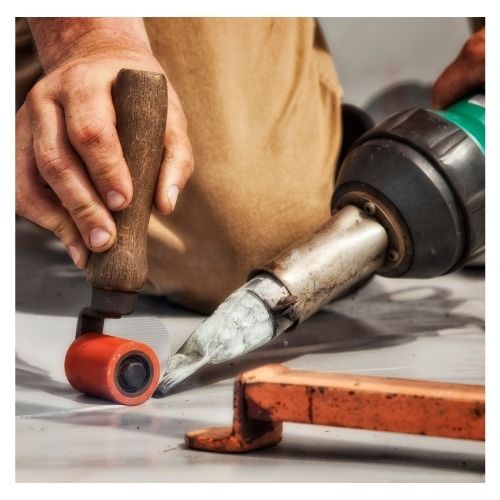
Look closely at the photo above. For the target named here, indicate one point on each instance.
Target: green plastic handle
(469, 115)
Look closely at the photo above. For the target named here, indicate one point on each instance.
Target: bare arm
(464, 75)
(70, 170)
(60, 39)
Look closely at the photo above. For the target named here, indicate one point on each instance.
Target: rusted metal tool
(272, 394)
(115, 368)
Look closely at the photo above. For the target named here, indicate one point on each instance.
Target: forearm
(59, 39)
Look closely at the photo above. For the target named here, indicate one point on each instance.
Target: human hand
(70, 169)
(463, 75)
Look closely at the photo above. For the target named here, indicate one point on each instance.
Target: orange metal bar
(273, 394)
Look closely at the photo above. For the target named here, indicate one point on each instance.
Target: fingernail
(172, 193)
(115, 200)
(75, 254)
(99, 237)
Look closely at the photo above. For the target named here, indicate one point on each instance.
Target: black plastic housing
(431, 173)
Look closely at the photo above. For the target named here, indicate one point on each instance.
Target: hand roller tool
(110, 367)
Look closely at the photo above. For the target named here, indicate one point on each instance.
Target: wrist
(60, 40)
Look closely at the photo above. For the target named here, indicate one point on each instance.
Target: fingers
(63, 171)
(70, 168)
(464, 75)
(35, 202)
(90, 124)
(178, 163)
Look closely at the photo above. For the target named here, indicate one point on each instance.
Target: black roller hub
(134, 374)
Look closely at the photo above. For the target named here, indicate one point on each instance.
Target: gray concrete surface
(404, 328)
(373, 55)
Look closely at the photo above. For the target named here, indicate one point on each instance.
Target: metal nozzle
(329, 263)
(345, 251)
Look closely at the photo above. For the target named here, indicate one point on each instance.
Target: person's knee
(199, 281)
(208, 267)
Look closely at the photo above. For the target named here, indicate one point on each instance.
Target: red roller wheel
(112, 368)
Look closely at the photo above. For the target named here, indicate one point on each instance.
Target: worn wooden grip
(140, 100)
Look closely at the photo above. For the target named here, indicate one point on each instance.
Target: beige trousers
(263, 105)
(262, 101)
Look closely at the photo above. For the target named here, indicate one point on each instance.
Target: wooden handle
(140, 100)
